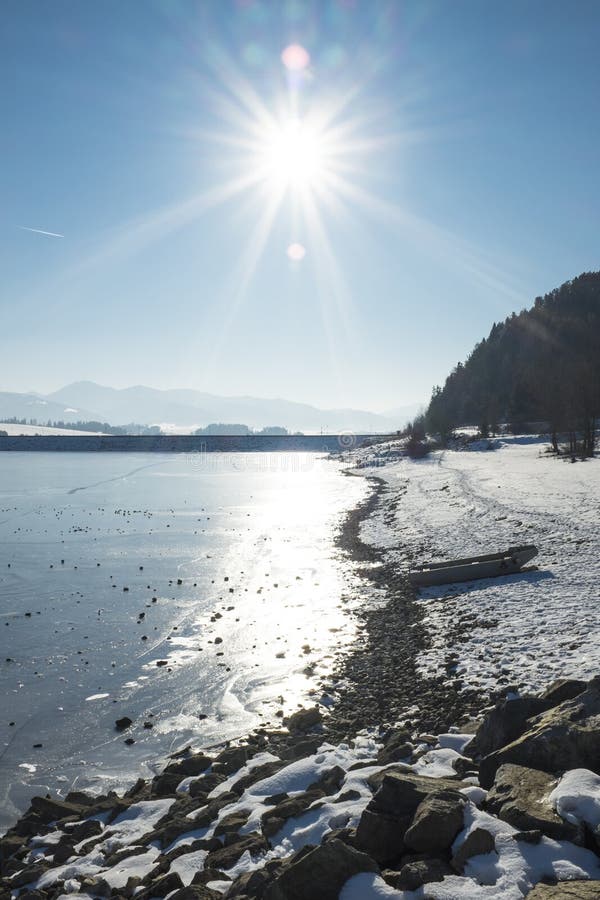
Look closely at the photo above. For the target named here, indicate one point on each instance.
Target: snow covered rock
(321, 872)
(503, 724)
(522, 797)
(436, 822)
(479, 841)
(565, 737)
(387, 818)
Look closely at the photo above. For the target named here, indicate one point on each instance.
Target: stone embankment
(508, 807)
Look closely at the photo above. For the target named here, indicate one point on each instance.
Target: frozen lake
(223, 568)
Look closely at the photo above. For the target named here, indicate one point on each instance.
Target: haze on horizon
(329, 202)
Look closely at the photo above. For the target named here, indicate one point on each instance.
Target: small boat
(490, 566)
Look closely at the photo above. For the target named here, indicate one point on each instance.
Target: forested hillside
(542, 364)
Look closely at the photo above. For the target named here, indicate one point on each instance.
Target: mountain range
(185, 409)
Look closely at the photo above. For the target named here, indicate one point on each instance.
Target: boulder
(503, 724)
(330, 781)
(49, 810)
(388, 816)
(566, 890)
(304, 719)
(381, 836)
(560, 690)
(161, 886)
(478, 842)
(273, 819)
(397, 746)
(520, 796)
(193, 765)
(564, 737)
(227, 856)
(415, 874)
(256, 774)
(230, 760)
(436, 823)
(253, 884)
(231, 823)
(399, 792)
(196, 892)
(302, 748)
(321, 872)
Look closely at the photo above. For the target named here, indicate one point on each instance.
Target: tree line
(539, 368)
(87, 425)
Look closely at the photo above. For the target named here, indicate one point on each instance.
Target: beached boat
(489, 566)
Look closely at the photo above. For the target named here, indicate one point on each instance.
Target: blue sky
(461, 182)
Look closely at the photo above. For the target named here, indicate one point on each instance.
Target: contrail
(40, 231)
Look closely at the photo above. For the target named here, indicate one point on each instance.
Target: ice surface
(252, 538)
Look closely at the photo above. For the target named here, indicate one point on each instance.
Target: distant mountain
(34, 406)
(404, 414)
(187, 409)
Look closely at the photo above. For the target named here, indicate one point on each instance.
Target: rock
(388, 816)
(166, 784)
(122, 724)
(207, 783)
(302, 748)
(231, 759)
(186, 768)
(232, 823)
(49, 810)
(519, 796)
(414, 874)
(397, 746)
(196, 892)
(253, 884)
(28, 874)
(565, 737)
(381, 836)
(399, 791)
(329, 782)
(320, 873)
(274, 819)
(207, 874)
(560, 690)
(257, 774)
(503, 724)
(61, 854)
(304, 719)
(213, 808)
(96, 885)
(477, 842)
(226, 857)
(566, 890)
(437, 821)
(529, 837)
(161, 886)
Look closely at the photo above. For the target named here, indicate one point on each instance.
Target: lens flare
(295, 57)
(296, 252)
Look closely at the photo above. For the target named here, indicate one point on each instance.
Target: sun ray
(240, 281)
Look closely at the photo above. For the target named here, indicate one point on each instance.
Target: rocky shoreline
(514, 799)
(405, 787)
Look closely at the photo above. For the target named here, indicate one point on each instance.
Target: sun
(293, 155)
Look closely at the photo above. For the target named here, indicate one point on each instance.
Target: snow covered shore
(523, 630)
